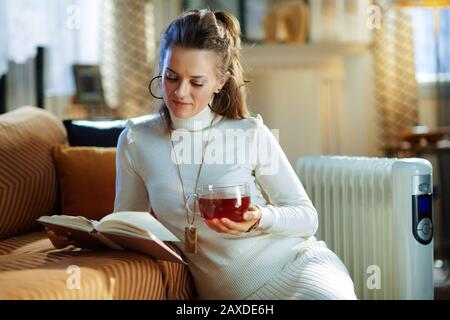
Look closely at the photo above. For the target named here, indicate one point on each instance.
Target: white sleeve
(289, 211)
(131, 192)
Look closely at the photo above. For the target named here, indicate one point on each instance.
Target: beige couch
(30, 267)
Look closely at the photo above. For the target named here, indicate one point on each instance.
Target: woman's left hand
(224, 225)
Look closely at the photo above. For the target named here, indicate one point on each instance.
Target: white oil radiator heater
(376, 215)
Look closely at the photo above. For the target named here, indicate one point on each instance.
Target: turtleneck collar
(197, 122)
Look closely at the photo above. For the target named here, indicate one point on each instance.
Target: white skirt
(317, 273)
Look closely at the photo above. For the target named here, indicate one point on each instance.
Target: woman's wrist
(256, 224)
(266, 219)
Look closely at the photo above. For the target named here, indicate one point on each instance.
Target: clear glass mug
(221, 201)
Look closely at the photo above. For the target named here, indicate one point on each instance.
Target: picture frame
(253, 13)
(88, 82)
(250, 14)
(235, 7)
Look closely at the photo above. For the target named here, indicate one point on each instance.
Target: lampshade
(421, 3)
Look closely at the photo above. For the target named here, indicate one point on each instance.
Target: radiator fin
(354, 200)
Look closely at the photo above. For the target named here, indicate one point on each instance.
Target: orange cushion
(86, 178)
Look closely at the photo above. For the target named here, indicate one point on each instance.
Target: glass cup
(222, 201)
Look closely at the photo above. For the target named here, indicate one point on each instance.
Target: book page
(136, 231)
(78, 223)
(150, 246)
(135, 223)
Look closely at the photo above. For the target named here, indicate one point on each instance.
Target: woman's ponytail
(235, 86)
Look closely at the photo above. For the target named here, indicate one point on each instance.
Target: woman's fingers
(57, 237)
(240, 227)
(58, 241)
(251, 215)
(224, 225)
(232, 227)
(216, 225)
(219, 226)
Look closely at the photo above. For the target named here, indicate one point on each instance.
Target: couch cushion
(102, 275)
(86, 177)
(30, 268)
(28, 187)
(32, 242)
(99, 133)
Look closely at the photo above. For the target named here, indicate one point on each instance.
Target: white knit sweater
(226, 266)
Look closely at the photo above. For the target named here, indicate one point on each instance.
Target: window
(430, 66)
(68, 29)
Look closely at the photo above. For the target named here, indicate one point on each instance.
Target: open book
(127, 230)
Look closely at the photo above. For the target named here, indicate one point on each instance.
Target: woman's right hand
(58, 241)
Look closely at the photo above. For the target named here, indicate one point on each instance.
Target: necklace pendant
(190, 239)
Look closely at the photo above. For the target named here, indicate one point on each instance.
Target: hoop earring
(150, 88)
(229, 101)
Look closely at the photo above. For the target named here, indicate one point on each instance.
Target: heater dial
(425, 229)
(422, 224)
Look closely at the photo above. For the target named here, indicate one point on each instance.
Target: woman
(272, 253)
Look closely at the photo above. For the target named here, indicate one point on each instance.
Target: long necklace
(190, 232)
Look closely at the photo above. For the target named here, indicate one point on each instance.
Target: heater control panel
(422, 208)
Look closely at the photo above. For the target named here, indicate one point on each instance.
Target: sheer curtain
(74, 30)
(23, 28)
(68, 29)
(425, 43)
(432, 57)
(128, 55)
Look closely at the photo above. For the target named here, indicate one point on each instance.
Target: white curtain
(20, 84)
(395, 83)
(67, 28)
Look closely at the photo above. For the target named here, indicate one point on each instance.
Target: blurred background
(342, 77)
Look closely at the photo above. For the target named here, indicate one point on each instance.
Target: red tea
(214, 207)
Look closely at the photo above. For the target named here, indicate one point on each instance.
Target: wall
(286, 101)
(320, 107)
(428, 108)
(359, 132)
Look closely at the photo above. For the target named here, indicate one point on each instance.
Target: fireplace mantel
(320, 57)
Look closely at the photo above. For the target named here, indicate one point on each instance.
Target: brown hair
(220, 32)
